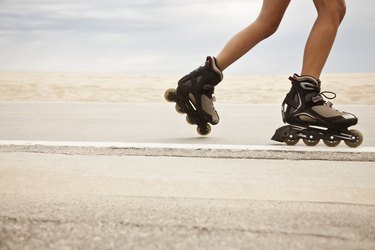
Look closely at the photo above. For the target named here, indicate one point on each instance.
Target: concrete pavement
(244, 179)
(103, 176)
(119, 222)
(51, 201)
(150, 123)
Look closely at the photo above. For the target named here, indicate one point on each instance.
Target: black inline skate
(311, 118)
(194, 96)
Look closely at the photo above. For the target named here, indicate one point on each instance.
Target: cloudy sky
(168, 36)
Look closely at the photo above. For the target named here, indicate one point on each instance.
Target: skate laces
(319, 97)
(324, 93)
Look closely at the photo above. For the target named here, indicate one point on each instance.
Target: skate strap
(208, 90)
(317, 99)
(329, 104)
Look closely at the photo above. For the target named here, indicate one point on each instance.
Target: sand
(353, 88)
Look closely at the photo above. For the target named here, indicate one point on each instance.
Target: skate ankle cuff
(215, 68)
(317, 99)
(305, 78)
(306, 82)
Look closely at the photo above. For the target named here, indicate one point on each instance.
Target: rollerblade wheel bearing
(358, 141)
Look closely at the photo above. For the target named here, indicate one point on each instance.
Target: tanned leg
(322, 36)
(265, 25)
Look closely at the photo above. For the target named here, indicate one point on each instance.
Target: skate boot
(311, 118)
(194, 96)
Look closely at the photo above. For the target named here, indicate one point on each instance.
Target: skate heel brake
(281, 134)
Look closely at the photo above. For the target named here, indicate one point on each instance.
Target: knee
(340, 10)
(334, 11)
(268, 26)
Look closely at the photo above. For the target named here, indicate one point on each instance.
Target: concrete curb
(271, 152)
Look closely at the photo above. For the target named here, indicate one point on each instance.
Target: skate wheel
(204, 130)
(331, 142)
(178, 109)
(311, 142)
(358, 139)
(291, 142)
(168, 95)
(190, 120)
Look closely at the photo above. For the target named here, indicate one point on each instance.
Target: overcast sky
(168, 36)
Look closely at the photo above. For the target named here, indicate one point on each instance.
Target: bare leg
(322, 36)
(265, 25)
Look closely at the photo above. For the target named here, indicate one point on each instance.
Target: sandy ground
(242, 89)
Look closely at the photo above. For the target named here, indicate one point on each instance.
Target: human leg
(311, 117)
(322, 35)
(265, 25)
(304, 103)
(194, 94)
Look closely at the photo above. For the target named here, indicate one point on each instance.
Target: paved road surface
(53, 201)
(149, 123)
(90, 198)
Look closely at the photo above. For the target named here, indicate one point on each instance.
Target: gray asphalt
(90, 199)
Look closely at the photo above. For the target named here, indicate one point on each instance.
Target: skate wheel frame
(203, 129)
(291, 135)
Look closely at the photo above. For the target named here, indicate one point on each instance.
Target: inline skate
(311, 118)
(194, 96)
